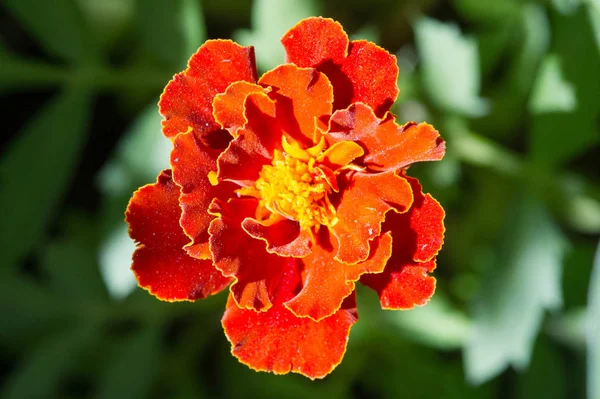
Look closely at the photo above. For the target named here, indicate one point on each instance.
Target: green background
(513, 86)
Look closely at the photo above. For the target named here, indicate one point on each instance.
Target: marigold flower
(290, 189)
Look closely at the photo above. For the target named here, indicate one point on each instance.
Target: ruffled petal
(418, 233)
(192, 161)
(404, 284)
(365, 199)
(316, 41)
(304, 98)
(358, 70)
(282, 236)
(418, 236)
(187, 99)
(387, 146)
(374, 76)
(245, 156)
(326, 282)
(277, 341)
(160, 264)
(238, 255)
(229, 107)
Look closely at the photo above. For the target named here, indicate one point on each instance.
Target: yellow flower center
(295, 189)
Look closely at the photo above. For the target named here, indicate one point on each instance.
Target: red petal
(160, 264)
(283, 236)
(358, 71)
(404, 284)
(303, 97)
(238, 255)
(374, 75)
(387, 145)
(242, 161)
(279, 342)
(326, 282)
(187, 99)
(229, 107)
(192, 161)
(365, 199)
(315, 41)
(418, 233)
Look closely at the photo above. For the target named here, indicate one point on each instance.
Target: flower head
(290, 189)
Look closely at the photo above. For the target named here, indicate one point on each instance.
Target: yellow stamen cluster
(293, 188)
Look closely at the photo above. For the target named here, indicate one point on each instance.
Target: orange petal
(159, 263)
(282, 236)
(404, 284)
(326, 282)
(315, 41)
(365, 199)
(341, 154)
(229, 107)
(374, 76)
(192, 162)
(358, 71)
(238, 255)
(418, 233)
(303, 96)
(277, 341)
(187, 99)
(387, 145)
(242, 161)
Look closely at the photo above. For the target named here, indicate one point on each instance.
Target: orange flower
(292, 188)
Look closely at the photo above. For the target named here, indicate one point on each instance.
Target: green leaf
(437, 324)
(551, 93)
(171, 31)
(115, 263)
(36, 170)
(497, 12)
(40, 373)
(450, 67)
(140, 156)
(524, 282)
(70, 263)
(130, 370)
(546, 375)
(270, 20)
(59, 27)
(593, 330)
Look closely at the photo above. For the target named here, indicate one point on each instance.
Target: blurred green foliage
(512, 85)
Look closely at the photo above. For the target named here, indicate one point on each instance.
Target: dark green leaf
(41, 371)
(546, 375)
(170, 30)
(36, 169)
(131, 368)
(524, 282)
(59, 27)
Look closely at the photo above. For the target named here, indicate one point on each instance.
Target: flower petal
(374, 75)
(229, 107)
(304, 97)
(316, 41)
(277, 341)
(192, 161)
(387, 145)
(245, 156)
(365, 199)
(358, 71)
(419, 232)
(160, 264)
(326, 282)
(282, 236)
(187, 99)
(404, 284)
(238, 255)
